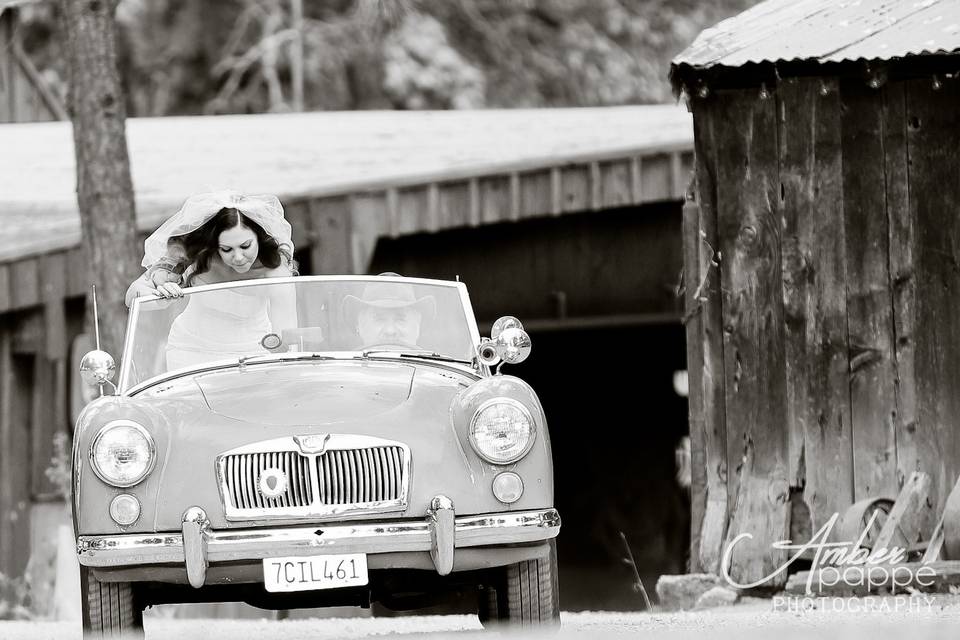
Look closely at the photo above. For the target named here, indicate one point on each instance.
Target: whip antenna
(96, 319)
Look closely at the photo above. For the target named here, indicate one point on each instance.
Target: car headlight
(122, 453)
(502, 431)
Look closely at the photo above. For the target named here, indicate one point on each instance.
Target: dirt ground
(918, 617)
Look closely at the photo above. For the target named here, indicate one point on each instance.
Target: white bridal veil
(265, 210)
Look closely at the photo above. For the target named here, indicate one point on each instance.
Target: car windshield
(307, 315)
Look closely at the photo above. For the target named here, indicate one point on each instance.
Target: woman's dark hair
(202, 244)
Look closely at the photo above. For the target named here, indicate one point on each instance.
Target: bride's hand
(169, 290)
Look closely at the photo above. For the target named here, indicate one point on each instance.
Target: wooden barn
(24, 95)
(824, 242)
(568, 219)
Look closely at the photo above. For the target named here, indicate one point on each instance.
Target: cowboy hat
(388, 295)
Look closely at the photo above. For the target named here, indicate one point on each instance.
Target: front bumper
(198, 547)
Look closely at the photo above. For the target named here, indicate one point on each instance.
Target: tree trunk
(104, 187)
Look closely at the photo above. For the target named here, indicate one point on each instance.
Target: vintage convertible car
(314, 441)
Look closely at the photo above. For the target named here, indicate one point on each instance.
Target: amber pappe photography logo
(846, 564)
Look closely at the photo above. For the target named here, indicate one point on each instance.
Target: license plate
(314, 572)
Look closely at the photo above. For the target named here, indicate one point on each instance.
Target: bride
(221, 237)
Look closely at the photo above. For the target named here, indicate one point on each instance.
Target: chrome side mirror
(514, 345)
(508, 343)
(97, 368)
(502, 324)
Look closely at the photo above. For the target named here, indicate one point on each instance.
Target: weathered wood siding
(838, 333)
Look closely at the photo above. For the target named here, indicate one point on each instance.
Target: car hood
(195, 419)
(319, 395)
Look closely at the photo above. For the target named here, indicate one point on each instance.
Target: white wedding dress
(217, 325)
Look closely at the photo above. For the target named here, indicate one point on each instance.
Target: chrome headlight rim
(151, 448)
(526, 414)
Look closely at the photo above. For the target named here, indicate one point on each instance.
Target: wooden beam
(933, 122)
(78, 273)
(677, 181)
(708, 292)
(6, 297)
(43, 419)
(912, 518)
(820, 440)
(15, 396)
(54, 269)
(556, 191)
(432, 212)
(596, 187)
(636, 179)
(693, 319)
(749, 234)
(914, 442)
(393, 213)
(873, 371)
(474, 209)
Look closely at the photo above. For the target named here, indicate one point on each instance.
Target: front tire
(525, 594)
(110, 609)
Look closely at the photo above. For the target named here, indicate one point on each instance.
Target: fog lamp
(125, 509)
(507, 487)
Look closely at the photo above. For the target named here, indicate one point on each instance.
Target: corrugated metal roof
(828, 31)
(310, 154)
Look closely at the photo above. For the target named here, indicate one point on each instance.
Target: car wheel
(109, 609)
(526, 594)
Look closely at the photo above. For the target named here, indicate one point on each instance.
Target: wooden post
(15, 398)
(693, 319)
(707, 291)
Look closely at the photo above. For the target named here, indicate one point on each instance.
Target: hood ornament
(313, 444)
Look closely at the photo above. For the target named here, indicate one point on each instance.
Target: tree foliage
(234, 56)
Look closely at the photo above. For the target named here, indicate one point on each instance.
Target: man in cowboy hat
(389, 313)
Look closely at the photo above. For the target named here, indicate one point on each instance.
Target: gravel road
(919, 618)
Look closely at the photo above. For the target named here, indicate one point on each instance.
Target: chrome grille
(242, 473)
(327, 475)
(360, 475)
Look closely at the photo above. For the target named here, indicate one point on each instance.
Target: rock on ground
(682, 591)
(717, 597)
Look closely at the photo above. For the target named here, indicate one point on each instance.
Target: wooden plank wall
(838, 336)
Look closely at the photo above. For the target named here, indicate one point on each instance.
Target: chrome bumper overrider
(197, 545)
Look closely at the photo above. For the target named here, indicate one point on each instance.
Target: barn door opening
(615, 420)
